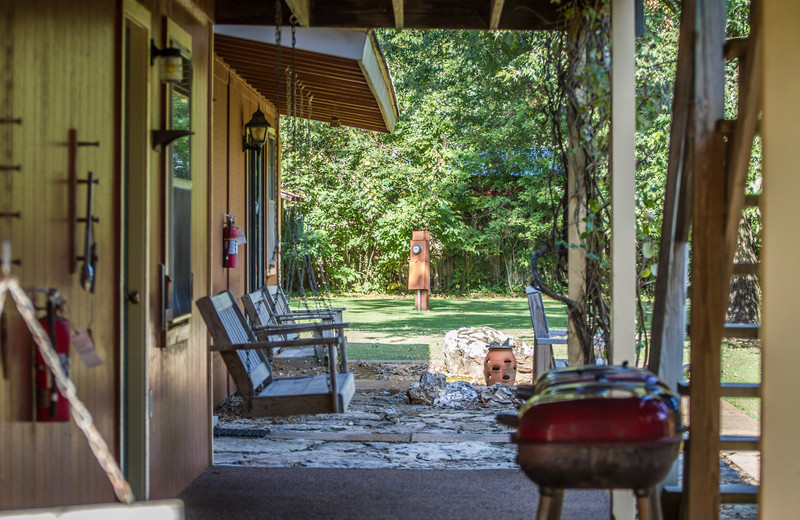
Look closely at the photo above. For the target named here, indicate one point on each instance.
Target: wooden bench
(263, 318)
(279, 304)
(247, 360)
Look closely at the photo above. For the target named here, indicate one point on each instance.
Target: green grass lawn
(388, 328)
(741, 363)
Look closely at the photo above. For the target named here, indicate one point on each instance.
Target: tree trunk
(576, 185)
(745, 298)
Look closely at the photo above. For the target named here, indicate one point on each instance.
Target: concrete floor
(246, 493)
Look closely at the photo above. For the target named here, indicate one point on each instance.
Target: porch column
(623, 200)
(780, 457)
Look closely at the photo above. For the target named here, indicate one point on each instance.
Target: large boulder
(465, 349)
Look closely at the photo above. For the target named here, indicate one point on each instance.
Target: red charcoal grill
(597, 427)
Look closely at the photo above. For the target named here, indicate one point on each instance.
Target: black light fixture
(170, 62)
(255, 132)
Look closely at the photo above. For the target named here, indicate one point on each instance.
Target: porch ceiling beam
(496, 12)
(399, 17)
(301, 10)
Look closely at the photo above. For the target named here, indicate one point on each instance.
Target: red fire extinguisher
(51, 405)
(230, 243)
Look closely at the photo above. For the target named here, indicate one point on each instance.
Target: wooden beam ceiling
(338, 85)
(397, 6)
(398, 14)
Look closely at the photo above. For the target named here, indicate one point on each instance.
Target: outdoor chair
(248, 361)
(544, 337)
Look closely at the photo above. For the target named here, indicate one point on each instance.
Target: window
(272, 200)
(179, 192)
(262, 225)
(255, 221)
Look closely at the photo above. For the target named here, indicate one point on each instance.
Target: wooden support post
(710, 277)
(623, 200)
(668, 330)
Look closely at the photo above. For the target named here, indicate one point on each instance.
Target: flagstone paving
(381, 430)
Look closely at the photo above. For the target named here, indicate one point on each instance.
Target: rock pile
(434, 390)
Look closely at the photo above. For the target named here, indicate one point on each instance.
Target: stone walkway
(381, 430)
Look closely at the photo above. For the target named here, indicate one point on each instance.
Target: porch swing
(248, 350)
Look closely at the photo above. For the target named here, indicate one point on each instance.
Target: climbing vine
(578, 111)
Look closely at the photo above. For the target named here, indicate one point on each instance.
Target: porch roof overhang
(398, 14)
(343, 69)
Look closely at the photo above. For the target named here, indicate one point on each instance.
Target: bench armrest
(310, 327)
(256, 345)
(551, 341)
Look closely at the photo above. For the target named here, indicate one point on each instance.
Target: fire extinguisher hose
(81, 415)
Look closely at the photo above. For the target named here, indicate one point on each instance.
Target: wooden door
(135, 250)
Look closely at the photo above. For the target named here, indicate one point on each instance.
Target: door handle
(134, 297)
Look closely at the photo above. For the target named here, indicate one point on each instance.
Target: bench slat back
(278, 300)
(543, 354)
(258, 311)
(538, 317)
(256, 307)
(249, 368)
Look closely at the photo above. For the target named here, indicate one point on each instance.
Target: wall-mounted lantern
(170, 62)
(255, 132)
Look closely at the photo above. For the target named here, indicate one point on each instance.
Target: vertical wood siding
(235, 102)
(65, 68)
(62, 79)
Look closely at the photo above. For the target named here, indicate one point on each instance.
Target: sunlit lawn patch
(388, 328)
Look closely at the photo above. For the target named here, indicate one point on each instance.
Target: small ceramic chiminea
(500, 365)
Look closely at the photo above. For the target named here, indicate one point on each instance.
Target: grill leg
(648, 503)
(550, 502)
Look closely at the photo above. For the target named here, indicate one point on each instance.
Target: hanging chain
(81, 415)
(278, 140)
(278, 20)
(293, 21)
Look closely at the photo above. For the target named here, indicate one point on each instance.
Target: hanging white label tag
(240, 239)
(83, 344)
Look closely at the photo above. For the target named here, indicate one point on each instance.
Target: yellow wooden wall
(235, 101)
(60, 80)
(63, 58)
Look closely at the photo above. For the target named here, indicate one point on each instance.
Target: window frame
(174, 276)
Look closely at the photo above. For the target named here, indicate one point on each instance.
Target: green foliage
(468, 162)
(477, 159)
